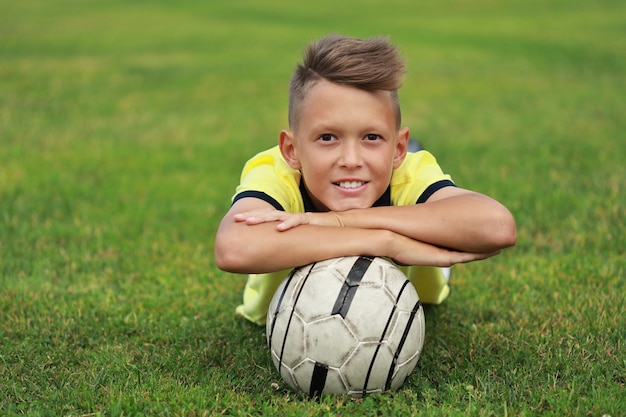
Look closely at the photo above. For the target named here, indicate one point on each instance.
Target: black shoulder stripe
(260, 195)
(432, 188)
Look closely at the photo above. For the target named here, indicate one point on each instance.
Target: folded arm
(452, 218)
(252, 242)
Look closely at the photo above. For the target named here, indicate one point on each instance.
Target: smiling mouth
(350, 184)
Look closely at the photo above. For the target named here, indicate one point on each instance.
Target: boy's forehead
(326, 93)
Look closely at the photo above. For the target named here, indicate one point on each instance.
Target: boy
(341, 183)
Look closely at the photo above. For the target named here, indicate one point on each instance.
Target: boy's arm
(259, 248)
(452, 217)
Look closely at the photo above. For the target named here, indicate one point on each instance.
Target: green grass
(123, 129)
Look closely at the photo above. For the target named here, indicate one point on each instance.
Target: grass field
(123, 129)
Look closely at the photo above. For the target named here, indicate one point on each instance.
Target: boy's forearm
(470, 223)
(241, 248)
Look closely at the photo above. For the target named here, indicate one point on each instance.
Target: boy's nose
(351, 154)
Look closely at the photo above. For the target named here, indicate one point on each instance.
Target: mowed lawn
(123, 130)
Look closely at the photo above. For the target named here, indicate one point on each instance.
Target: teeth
(350, 184)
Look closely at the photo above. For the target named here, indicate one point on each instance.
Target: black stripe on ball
(278, 304)
(350, 286)
(293, 310)
(405, 334)
(382, 337)
(318, 379)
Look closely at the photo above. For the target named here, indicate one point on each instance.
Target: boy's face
(346, 145)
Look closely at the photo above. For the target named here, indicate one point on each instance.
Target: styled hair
(368, 64)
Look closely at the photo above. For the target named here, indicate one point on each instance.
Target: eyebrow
(324, 127)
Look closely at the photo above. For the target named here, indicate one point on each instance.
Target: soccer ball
(351, 325)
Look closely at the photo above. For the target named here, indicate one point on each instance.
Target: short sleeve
(268, 176)
(417, 178)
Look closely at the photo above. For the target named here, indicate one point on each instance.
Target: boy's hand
(287, 220)
(407, 251)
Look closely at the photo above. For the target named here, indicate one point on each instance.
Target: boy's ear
(402, 147)
(287, 145)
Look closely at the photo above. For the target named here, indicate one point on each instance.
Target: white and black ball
(351, 325)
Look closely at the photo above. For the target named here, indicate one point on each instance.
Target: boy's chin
(345, 206)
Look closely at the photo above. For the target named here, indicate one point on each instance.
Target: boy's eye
(372, 136)
(326, 137)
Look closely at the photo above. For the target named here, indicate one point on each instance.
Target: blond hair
(368, 64)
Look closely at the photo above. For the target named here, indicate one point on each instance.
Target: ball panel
(287, 345)
(289, 377)
(366, 370)
(401, 372)
(370, 314)
(329, 341)
(317, 299)
(394, 280)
